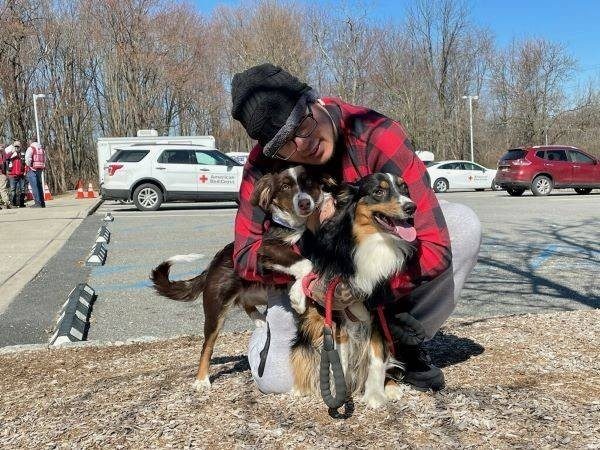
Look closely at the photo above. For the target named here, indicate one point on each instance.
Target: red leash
(386, 330)
(329, 293)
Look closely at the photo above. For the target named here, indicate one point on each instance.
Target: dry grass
(524, 381)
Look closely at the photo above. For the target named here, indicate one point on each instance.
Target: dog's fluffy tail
(180, 290)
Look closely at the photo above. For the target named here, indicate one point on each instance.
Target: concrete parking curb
(98, 254)
(73, 323)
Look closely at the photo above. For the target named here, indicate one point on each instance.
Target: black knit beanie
(270, 103)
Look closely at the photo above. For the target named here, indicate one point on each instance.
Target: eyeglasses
(304, 129)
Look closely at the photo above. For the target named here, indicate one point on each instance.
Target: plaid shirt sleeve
(250, 225)
(391, 151)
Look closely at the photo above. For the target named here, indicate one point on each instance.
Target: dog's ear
(346, 194)
(264, 191)
(328, 182)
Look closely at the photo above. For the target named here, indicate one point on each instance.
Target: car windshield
(223, 158)
(510, 155)
(429, 163)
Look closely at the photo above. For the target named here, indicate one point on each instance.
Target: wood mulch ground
(530, 381)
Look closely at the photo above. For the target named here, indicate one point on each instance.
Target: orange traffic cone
(79, 194)
(47, 193)
(90, 192)
(29, 193)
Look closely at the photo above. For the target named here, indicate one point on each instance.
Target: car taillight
(112, 168)
(521, 162)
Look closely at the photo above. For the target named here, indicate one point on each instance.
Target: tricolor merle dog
(367, 241)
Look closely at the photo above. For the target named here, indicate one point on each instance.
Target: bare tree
(453, 56)
(114, 66)
(345, 44)
(528, 85)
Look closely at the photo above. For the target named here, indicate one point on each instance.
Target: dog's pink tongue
(406, 232)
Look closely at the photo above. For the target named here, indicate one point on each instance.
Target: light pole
(35, 114)
(37, 127)
(471, 98)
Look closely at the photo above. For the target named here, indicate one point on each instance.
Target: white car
(460, 175)
(150, 174)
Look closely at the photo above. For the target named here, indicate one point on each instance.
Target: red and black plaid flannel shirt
(369, 143)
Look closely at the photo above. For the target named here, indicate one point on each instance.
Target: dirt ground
(530, 381)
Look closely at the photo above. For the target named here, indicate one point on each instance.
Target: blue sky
(575, 23)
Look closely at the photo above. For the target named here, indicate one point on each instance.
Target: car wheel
(480, 189)
(441, 185)
(147, 197)
(542, 185)
(515, 192)
(583, 191)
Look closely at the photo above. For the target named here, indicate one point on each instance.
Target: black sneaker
(413, 366)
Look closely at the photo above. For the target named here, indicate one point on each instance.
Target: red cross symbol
(470, 177)
(204, 178)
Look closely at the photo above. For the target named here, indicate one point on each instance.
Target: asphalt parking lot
(539, 254)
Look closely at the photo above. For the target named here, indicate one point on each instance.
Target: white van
(150, 174)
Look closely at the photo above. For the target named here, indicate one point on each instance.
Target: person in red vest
(16, 176)
(35, 160)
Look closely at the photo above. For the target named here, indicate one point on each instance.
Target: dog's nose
(409, 208)
(304, 204)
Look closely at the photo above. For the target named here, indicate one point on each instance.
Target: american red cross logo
(203, 178)
(470, 178)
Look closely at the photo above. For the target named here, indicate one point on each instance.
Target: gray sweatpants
(431, 303)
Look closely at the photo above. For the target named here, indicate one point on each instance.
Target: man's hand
(344, 299)
(406, 330)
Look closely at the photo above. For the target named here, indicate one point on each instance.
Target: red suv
(543, 168)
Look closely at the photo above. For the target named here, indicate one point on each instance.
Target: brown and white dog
(366, 242)
(290, 196)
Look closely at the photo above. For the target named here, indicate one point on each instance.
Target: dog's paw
(374, 399)
(297, 298)
(393, 391)
(201, 385)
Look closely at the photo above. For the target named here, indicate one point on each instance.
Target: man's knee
(269, 347)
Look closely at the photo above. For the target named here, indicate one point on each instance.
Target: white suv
(150, 174)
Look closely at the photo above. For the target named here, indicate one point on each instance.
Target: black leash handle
(331, 358)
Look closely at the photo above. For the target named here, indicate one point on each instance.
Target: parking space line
(144, 284)
(546, 253)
